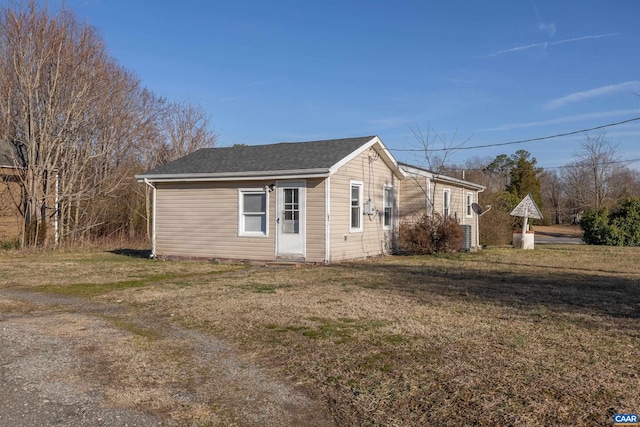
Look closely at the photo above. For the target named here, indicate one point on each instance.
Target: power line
(522, 141)
(570, 165)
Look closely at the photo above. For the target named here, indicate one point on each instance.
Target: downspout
(153, 219)
(327, 219)
(478, 220)
(396, 222)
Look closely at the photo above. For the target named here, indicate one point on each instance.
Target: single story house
(318, 201)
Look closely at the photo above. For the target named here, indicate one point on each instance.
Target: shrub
(617, 228)
(430, 235)
(10, 244)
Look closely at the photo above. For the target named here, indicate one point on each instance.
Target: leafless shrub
(430, 234)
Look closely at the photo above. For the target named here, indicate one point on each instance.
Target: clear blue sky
(485, 72)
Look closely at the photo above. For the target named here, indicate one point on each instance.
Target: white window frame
(446, 202)
(387, 203)
(429, 206)
(469, 211)
(241, 212)
(360, 186)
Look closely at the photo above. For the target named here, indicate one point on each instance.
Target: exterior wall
(201, 220)
(373, 239)
(315, 220)
(414, 201)
(10, 219)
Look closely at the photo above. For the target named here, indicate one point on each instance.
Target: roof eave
(386, 154)
(408, 169)
(235, 176)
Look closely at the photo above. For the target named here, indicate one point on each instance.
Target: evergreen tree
(524, 177)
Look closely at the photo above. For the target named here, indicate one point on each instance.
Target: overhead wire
(522, 141)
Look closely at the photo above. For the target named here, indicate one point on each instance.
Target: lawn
(498, 337)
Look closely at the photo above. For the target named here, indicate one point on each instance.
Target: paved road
(556, 239)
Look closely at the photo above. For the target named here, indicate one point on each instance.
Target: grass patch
(93, 289)
(498, 337)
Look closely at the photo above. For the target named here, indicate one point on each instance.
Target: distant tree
(500, 168)
(589, 179)
(523, 177)
(554, 197)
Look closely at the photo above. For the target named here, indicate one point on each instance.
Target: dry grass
(501, 337)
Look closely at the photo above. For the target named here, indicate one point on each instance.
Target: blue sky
(477, 72)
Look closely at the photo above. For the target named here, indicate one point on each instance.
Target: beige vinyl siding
(201, 220)
(315, 220)
(373, 240)
(414, 200)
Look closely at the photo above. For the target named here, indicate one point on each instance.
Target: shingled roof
(261, 160)
(11, 154)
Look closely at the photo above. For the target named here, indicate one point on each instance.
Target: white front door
(290, 219)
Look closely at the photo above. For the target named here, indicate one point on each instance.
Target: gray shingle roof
(10, 155)
(285, 156)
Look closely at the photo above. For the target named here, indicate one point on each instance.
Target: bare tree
(553, 196)
(84, 126)
(48, 89)
(589, 179)
(434, 149)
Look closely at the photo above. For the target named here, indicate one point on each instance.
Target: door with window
(290, 219)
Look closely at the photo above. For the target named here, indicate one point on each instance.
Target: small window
(446, 203)
(388, 207)
(356, 206)
(253, 213)
(469, 203)
(428, 198)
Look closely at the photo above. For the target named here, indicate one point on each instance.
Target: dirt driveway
(64, 363)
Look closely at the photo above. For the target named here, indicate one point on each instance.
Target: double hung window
(446, 203)
(253, 212)
(387, 202)
(356, 205)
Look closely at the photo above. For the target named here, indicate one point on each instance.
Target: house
(319, 201)
(13, 164)
(424, 191)
(10, 219)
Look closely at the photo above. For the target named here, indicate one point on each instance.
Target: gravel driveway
(53, 372)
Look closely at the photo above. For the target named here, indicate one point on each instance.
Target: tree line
(82, 126)
(597, 180)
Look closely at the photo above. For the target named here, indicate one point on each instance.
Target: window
(356, 206)
(253, 212)
(469, 203)
(291, 211)
(387, 202)
(446, 203)
(428, 198)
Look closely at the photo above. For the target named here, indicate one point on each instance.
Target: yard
(498, 337)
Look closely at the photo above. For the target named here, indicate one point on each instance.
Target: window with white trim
(446, 203)
(387, 204)
(428, 198)
(252, 212)
(469, 203)
(356, 205)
